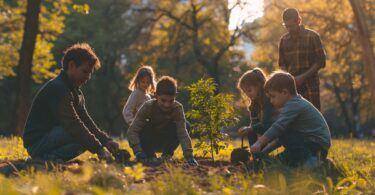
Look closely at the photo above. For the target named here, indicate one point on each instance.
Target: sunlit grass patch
(355, 157)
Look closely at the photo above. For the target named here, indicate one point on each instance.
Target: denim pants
(165, 140)
(56, 145)
(298, 150)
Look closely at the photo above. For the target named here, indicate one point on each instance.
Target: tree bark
(24, 76)
(364, 39)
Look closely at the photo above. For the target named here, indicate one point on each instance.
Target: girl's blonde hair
(256, 78)
(142, 72)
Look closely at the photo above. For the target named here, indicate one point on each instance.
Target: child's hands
(192, 162)
(244, 131)
(104, 155)
(112, 146)
(256, 147)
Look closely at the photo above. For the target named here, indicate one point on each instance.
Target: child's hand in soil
(191, 161)
(256, 147)
(112, 146)
(104, 155)
(244, 131)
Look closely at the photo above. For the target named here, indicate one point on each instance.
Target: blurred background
(186, 39)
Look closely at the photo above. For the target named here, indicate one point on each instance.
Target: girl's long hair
(142, 72)
(256, 78)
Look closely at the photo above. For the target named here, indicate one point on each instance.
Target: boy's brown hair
(279, 81)
(80, 53)
(166, 86)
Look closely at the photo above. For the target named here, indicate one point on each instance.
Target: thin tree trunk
(345, 111)
(364, 38)
(24, 80)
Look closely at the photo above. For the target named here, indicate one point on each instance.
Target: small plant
(212, 112)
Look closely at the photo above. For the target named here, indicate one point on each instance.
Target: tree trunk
(345, 111)
(24, 80)
(364, 38)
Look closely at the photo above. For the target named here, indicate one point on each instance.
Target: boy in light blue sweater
(300, 128)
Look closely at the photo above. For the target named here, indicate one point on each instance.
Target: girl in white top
(142, 86)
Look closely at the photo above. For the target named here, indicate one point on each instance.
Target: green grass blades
(352, 171)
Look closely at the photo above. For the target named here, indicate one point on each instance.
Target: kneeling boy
(300, 128)
(159, 125)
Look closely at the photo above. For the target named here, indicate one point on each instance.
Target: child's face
(165, 102)
(250, 91)
(279, 98)
(144, 83)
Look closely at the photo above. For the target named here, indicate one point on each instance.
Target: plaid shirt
(298, 54)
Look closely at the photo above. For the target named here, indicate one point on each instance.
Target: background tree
(195, 35)
(13, 23)
(364, 37)
(25, 63)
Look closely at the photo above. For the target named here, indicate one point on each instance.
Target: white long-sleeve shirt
(136, 99)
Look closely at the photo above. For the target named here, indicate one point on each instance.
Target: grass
(356, 158)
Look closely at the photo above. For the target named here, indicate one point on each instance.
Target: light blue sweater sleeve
(288, 114)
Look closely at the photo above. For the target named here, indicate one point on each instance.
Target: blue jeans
(56, 145)
(298, 149)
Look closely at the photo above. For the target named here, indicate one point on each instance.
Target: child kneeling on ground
(300, 128)
(159, 125)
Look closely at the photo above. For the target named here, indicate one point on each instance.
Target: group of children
(282, 117)
(279, 117)
(59, 127)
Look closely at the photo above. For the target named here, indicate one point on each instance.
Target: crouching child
(159, 126)
(300, 128)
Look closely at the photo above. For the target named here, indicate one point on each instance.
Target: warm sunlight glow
(244, 11)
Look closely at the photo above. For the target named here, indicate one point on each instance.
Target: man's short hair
(290, 13)
(80, 53)
(279, 81)
(166, 86)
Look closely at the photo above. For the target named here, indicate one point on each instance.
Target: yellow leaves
(135, 172)
(43, 61)
(51, 25)
(12, 149)
(8, 55)
(82, 8)
(357, 81)
(227, 191)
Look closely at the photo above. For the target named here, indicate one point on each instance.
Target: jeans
(299, 150)
(165, 140)
(56, 145)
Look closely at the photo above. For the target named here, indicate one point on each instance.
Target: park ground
(354, 174)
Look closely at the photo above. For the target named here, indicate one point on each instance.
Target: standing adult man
(301, 54)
